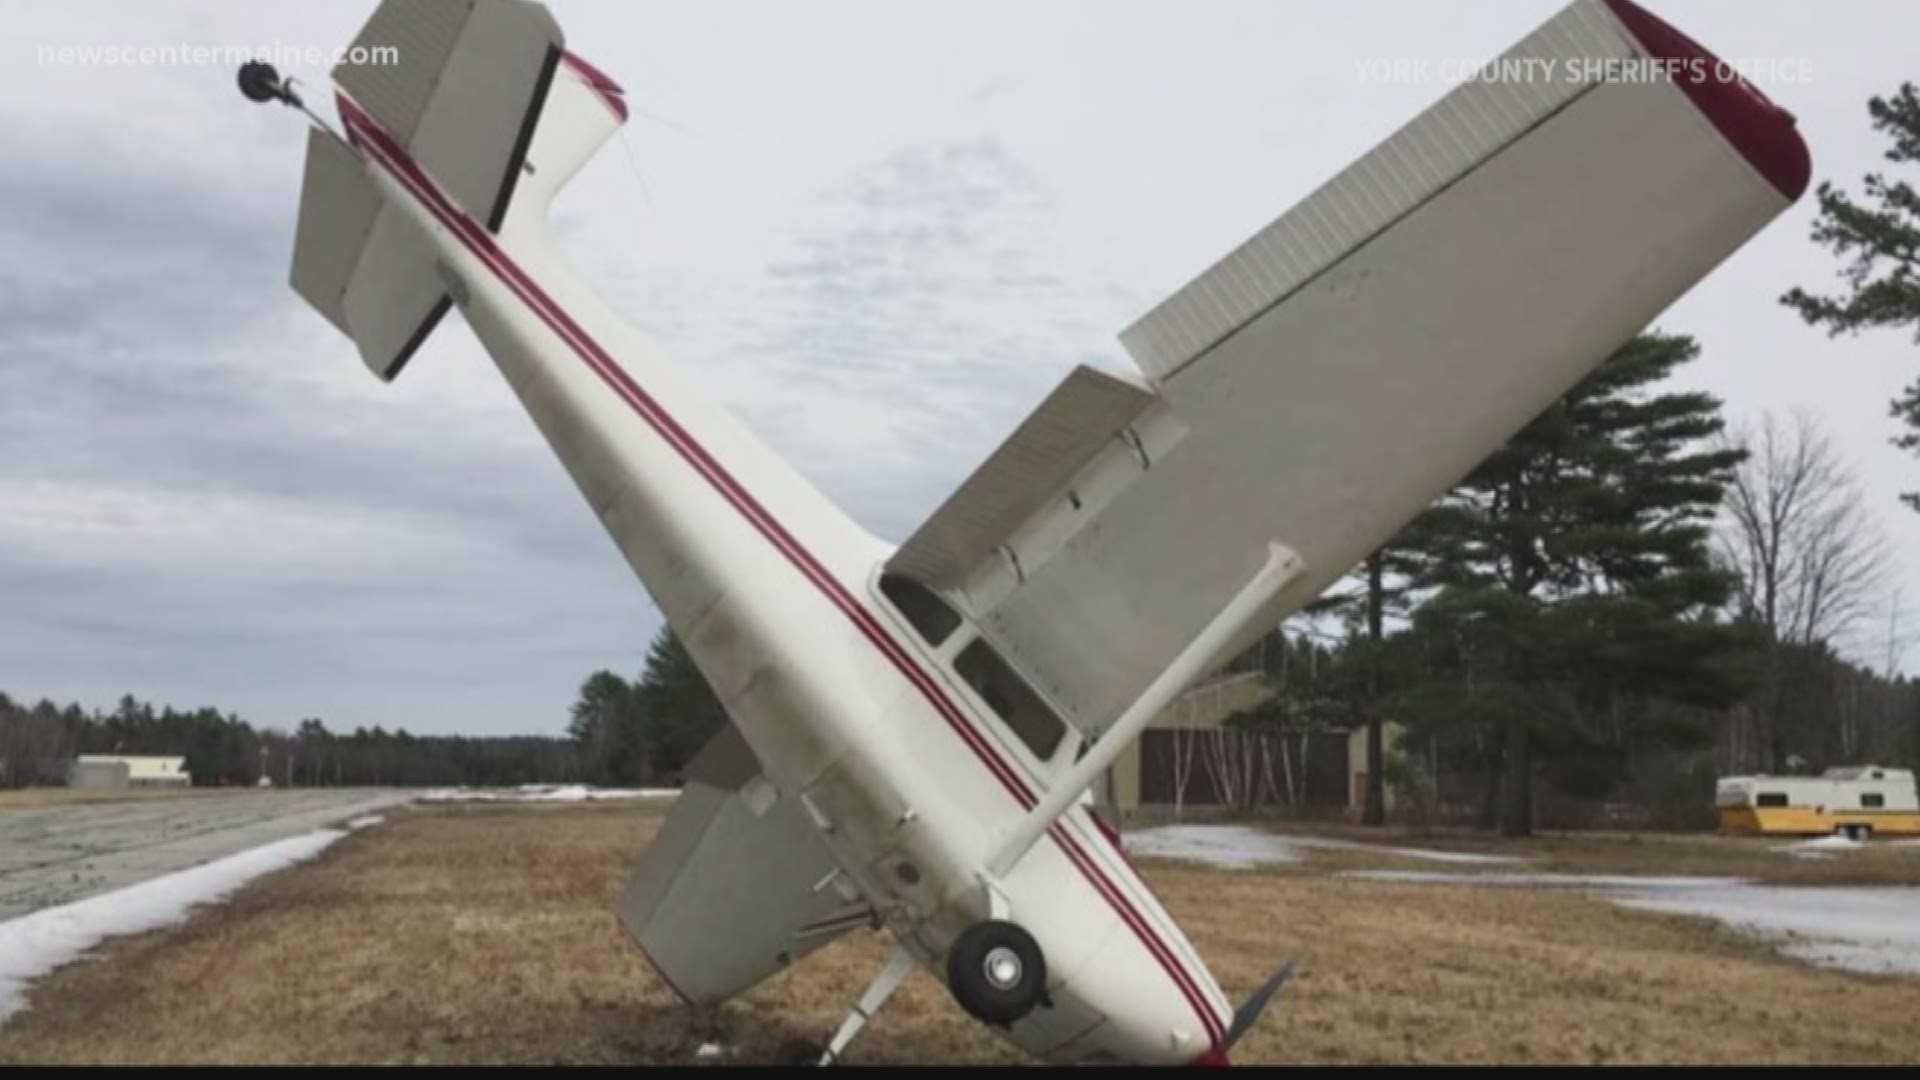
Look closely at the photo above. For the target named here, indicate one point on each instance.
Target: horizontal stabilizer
(360, 262)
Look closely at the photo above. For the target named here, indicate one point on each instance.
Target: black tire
(996, 972)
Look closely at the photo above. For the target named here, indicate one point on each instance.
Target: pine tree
(1880, 239)
(680, 710)
(1569, 560)
(1385, 584)
(600, 724)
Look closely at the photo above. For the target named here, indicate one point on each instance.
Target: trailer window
(1770, 798)
(929, 615)
(1872, 800)
(1008, 695)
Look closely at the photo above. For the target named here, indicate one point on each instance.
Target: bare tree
(1224, 761)
(1808, 553)
(1182, 766)
(1809, 560)
(1899, 638)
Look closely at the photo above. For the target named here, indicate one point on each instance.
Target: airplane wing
(736, 885)
(1333, 375)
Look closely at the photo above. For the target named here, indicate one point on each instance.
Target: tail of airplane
(470, 84)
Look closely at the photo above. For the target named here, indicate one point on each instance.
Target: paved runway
(56, 854)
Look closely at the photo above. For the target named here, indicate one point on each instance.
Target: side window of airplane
(929, 615)
(1007, 694)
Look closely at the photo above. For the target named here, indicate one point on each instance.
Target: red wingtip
(609, 91)
(1763, 132)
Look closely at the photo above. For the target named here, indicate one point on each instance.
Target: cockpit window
(929, 615)
(1007, 694)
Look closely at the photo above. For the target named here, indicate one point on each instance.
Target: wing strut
(882, 988)
(1283, 565)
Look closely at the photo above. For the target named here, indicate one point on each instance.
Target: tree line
(621, 733)
(37, 742)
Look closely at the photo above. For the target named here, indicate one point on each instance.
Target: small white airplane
(915, 729)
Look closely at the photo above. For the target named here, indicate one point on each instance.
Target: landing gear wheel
(996, 972)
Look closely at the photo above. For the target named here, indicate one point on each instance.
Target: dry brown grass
(486, 934)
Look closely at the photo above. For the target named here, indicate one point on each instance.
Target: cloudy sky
(880, 231)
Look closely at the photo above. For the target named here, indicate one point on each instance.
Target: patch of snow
(712, 1050)
(1232, 847)
(546, 793)
(37, 943)
(1473, 858)
(1535, 881)
(1875, 930)
(1824, 847)
(365, 821)
(1238, 847)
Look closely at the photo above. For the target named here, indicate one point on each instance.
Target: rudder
(464, 98)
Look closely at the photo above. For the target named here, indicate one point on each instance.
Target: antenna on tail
(260, 82)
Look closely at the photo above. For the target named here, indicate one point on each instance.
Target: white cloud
(223, 536)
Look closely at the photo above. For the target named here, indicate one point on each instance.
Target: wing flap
(1034, 466)
(729, 892)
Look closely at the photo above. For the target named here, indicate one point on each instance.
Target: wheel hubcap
(1003, 968)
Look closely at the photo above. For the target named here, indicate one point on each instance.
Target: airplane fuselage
(910, 777)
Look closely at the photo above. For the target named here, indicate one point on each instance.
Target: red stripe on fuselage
(482, 245)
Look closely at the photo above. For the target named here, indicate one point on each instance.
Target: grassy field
(486, 934)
